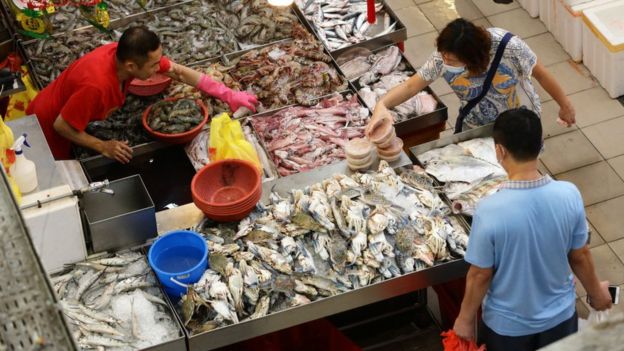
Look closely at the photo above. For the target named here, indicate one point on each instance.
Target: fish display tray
(177, 344)
(398, 35)
(115, 19)
(325, 307)
(226, 60)
(414, 123)
(117, 25)
(274, 111)
(481, 132)
(30, 319)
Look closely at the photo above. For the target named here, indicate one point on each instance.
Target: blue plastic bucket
(179, 258)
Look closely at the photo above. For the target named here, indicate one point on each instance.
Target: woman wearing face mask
(466, 55)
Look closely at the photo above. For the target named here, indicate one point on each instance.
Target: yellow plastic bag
(7, 157)
(227, 141)
(19, 102)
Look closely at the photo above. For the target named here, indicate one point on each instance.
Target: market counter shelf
(439, 273)
(231, 334)
(398, 35)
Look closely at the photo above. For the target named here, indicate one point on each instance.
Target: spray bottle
(23, 169)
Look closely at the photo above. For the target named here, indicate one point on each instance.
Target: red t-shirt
(88, 90)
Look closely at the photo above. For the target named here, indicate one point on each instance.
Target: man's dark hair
(135, 43)
(520, 132)
(470, 43)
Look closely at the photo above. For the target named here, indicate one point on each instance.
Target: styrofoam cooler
(568, 26)
(532, 6)
(547, 13)
(603, 45)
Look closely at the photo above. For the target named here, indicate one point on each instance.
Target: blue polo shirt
(525, 232)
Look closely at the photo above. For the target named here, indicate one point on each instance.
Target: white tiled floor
(590, 154)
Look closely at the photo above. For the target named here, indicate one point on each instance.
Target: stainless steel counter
(48, 176)
(187, 216)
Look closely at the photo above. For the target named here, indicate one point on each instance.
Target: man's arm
(113, 149)
(582, 265)
(184, 74)
(552, 87)
(207, 85)
(477, 284)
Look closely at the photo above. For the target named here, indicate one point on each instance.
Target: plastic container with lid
(547, 13)
(603, 45)
(568, 24)
(531, 6)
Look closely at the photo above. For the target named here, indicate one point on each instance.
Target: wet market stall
(322, 240)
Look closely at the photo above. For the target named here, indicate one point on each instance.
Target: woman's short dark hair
(520, 132)
(470, 43)
(135, 43)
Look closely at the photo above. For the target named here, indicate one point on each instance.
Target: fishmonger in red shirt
(96, 84)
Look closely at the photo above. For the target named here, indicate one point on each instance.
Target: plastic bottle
(23, 170)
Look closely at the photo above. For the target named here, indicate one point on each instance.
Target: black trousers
(496, 342)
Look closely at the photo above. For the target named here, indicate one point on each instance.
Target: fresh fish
(303, 138)
(235, 284)
(262, 308)
(466, 201)
(271, 257)
(91, 341)
(224, 310)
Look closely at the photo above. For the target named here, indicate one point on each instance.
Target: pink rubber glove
(234, 99)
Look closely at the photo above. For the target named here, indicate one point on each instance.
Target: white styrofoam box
(568, 26)
(547, 13)
(55, 228)
(603, 45)
(531, 6)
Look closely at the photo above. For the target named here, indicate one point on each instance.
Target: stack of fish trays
(30, 319)
(351, 27)
(410, 126)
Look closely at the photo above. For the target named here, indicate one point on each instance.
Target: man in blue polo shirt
(525, 242)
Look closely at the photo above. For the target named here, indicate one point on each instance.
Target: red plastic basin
(176, 138)
(151, 86)
(227, 190)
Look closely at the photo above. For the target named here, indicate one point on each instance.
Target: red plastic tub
(227, 190)
(178, 138)
(151, 86)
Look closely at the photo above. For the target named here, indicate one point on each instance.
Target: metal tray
(386, 289)
(397, 36)
(227, 58)
(481, 132)
(125, 218)
(115, 21)
(274, 111)
(177, 344)
(414, 123)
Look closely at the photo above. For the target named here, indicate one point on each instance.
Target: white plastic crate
(603, 45)
(532, 6)
(568, 26)
(547, 13)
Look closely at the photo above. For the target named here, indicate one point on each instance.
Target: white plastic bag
(596, 317)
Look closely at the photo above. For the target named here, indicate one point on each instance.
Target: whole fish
(271, 257)
(466, 201)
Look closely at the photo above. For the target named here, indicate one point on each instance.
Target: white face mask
(454, 69)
